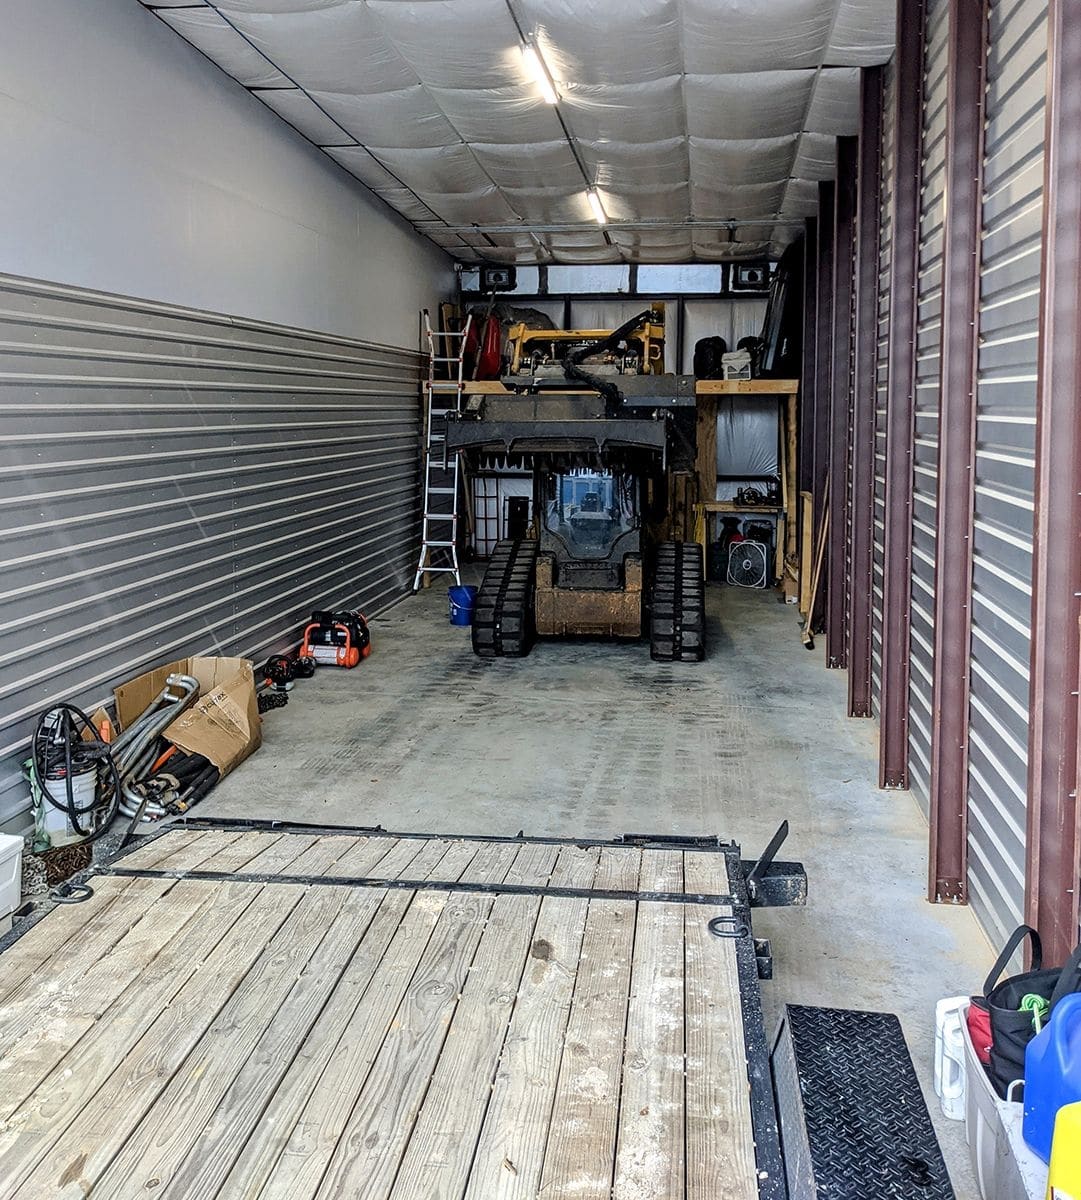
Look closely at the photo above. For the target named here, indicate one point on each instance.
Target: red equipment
(490, 355)
(337, 639)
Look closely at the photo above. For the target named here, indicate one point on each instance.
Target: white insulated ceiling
(703, 125)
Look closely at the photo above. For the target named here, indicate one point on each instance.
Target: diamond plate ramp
(854, 1125)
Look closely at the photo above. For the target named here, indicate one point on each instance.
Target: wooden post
(706, 460)
(791, 499)
(807, 550)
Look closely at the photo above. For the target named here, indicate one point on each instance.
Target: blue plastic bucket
(462, 600)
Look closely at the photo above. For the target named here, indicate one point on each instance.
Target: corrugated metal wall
(928, 358)
(178, 482)
(1004, 472)
(889, 121)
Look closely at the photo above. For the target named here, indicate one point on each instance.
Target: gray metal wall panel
(889, 120)
(1012, 210)
(928, 356)
(177, 483)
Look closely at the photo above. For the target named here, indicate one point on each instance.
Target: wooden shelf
(703, 387)
(730, 506)
(746, 387)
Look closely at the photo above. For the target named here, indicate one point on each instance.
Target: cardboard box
(223, 724)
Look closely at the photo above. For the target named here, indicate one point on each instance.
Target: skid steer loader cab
(589, 562)
(590, 517)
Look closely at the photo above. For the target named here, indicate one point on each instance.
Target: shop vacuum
(73, 779)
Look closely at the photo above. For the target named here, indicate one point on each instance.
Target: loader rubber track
(677, 628)
(503, 613)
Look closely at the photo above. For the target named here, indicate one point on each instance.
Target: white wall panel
(134, 165)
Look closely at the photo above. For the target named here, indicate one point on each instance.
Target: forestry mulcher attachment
(610, 444)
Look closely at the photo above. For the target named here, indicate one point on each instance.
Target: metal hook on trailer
(729, 926)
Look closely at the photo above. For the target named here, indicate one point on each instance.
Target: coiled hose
(576, 373)
(135, 750)
(64, 725)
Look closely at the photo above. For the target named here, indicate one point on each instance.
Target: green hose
(1039, 1006)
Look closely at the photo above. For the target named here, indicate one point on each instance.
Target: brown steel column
(869, 189)
(900, 404)
(810, 347)
(948, 857)
(819, 420)
(824, 341)
(840, 404)
(1053, 868)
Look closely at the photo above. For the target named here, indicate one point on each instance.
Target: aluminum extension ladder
(439, 529)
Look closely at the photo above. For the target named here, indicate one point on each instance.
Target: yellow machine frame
(650, 333)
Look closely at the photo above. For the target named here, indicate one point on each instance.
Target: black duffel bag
(1011, 1028)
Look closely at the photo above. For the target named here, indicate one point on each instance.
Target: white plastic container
(11, 878)
(57, 823)
(950, 1056)
(1005, 1168)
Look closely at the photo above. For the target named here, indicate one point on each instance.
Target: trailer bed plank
(35, 950)
(38, 1124)
(579, 1159)
(720, 1142)
(200, 1173)
(650, 1150)
(510, 1151)
(163, 1137)
(323, 1035)
(257, 1162)
(439, 1156)
(108, 1114)
(326, 1114)
(241, 854)
(158, 850)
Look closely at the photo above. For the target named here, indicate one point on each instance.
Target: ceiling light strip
(578, 226)
(536, 67)
(527, 43)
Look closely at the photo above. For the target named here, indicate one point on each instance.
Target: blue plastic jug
(1052, 1073)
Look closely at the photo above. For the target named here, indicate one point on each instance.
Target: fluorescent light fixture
(535, 66)
(599, 215)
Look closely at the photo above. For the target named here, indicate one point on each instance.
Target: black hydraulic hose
(573, 371)
(199, 787)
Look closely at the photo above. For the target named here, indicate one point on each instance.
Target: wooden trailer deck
(558, 1024)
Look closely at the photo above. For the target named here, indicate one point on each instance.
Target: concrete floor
(595, 739)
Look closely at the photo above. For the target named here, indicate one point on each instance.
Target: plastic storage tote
(1004, 1167)
(11, 863)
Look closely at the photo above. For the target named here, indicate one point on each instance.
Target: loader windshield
(589, 510)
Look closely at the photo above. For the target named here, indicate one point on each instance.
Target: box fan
(748, 564)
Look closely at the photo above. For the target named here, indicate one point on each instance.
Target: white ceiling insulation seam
(677, 111)
(214, 37)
